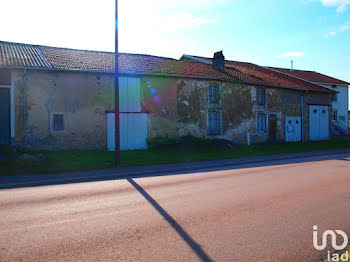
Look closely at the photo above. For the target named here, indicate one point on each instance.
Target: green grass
(68, 161)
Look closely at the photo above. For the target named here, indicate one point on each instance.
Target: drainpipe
(24, 110)
(302, 116)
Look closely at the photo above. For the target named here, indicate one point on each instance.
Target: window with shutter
(214, 122)
(261, 97)
(261, 123)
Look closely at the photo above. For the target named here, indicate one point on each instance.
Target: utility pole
(116, 90)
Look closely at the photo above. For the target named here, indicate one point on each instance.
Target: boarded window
(214, 122)
(261, 123)
(214, 94)
(58, 123)
(261, 97)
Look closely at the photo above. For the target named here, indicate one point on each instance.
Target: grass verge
(68, 161)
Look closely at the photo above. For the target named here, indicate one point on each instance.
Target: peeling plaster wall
(236, 105)
(175, 107)
(82, 98)
(239, 108)
(158, 100)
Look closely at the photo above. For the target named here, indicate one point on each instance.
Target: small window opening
(58, 123)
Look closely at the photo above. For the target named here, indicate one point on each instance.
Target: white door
(293, 128)
(319, 123)
(133, 131)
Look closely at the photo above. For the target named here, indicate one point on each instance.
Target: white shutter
(129, 94)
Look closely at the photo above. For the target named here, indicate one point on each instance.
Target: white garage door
(133, 131)
(319, 123)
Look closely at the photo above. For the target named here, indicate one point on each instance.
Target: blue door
(293, 128)
(5, 123)
(319, 122)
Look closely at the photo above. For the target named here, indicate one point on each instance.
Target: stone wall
(158, 100)
(239, 108)
(82, 98)
(175, 107)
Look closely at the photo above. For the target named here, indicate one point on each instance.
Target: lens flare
(156, 99)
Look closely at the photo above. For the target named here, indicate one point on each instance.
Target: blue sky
(314, 33)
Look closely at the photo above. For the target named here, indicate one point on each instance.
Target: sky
(315, 34)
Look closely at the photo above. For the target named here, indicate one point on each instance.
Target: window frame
(264, 96)
(63, 122)
(219, 124)
(210, 95)
(258, 129)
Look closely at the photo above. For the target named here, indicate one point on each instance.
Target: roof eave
(168, 75)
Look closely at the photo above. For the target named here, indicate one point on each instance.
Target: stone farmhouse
(61, 99)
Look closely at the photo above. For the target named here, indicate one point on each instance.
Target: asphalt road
(250, 213)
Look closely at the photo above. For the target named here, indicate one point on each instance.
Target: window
(334, 97)
(335, 115)
(58, 123)
(214, 122)
(261, 123)
(213, 94)
(261, 97)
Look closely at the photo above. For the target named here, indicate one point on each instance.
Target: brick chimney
(219, 61)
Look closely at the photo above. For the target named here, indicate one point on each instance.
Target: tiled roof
(311, 76)
(265, 75)
(20, 55)
(134, 63)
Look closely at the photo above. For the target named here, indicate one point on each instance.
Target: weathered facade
(239, 109)
(340, 100)
(66, 108)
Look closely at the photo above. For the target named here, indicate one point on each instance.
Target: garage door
(319, 122)
(293, 128)
(5, 124)
(133, 131)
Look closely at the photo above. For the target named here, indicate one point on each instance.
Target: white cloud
(330, 34)
(180, 21)
(291, 54)
(340, 29)
(341, 5)
(345, 27)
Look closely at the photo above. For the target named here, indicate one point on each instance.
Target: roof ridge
(83, 50)
(293, 69)
(227, 60)
(43, 57)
